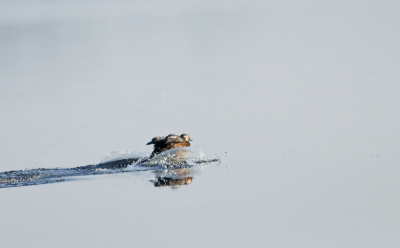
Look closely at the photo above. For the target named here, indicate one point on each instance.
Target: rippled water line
(44, 176)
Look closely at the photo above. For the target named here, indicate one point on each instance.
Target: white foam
(184, 152)
(125, 154)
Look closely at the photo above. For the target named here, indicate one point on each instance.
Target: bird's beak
(190, 140)
(148, 143)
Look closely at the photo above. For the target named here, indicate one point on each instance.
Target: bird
(155, 140)
(172, 141)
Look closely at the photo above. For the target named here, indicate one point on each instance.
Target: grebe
(172, 141)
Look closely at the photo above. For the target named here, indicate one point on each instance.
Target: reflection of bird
(173, 182)
(172, 141)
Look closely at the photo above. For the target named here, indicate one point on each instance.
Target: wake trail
(168, 163)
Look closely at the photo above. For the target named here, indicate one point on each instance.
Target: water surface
(298, 99)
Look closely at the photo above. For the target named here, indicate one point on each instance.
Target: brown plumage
(172, 141)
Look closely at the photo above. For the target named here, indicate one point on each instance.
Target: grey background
(302, 96)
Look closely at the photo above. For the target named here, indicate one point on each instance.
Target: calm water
(300, 101)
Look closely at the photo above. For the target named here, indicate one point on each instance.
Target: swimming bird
(172, 141)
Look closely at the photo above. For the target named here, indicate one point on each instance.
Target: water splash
(125, 154)
(177, 166)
